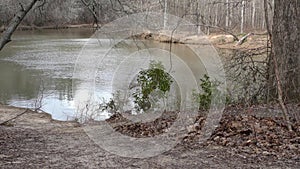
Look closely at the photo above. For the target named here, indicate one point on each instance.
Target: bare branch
(6, 122)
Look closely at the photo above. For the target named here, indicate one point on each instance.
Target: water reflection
(17, 82)
(42, 62)
(105, 68)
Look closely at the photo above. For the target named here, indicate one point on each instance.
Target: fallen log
(243, 39)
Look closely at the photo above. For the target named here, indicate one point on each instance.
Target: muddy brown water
(41, 63)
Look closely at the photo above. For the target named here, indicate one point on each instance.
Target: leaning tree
(14, 23)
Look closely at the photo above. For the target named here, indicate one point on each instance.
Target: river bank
(34, 140)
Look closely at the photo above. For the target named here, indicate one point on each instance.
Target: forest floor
(253, 137)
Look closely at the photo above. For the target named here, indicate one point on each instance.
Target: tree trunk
(227, 14)
(267, 21)
(165, 14)
(253, 13)
(242, 16)
(14, 23)
(286, 49)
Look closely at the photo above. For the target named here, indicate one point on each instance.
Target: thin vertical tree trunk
(209, 14)
(227, 13)
(231, 15)
(217, 14)
(242, 16)
(165, 14)
(266, 21)
(198, 19)
(253, 13)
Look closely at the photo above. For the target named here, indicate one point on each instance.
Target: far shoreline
(219, 39)
(69, 26)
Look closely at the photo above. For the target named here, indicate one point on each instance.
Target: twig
(5, 122)
(280, 96)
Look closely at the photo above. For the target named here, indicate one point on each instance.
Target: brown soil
(246, 138)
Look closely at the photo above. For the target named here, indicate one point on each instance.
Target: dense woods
(234, 15)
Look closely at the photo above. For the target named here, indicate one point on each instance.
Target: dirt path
(34, 140)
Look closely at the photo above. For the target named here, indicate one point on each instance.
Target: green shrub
(204, 98)
(151, 81)
(153, 84)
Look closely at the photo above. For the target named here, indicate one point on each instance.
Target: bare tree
(91, 7)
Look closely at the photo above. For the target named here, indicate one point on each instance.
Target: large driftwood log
(6, 35)
(223, 30)
(243, 39)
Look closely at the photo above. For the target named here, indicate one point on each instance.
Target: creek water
(42, 63)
